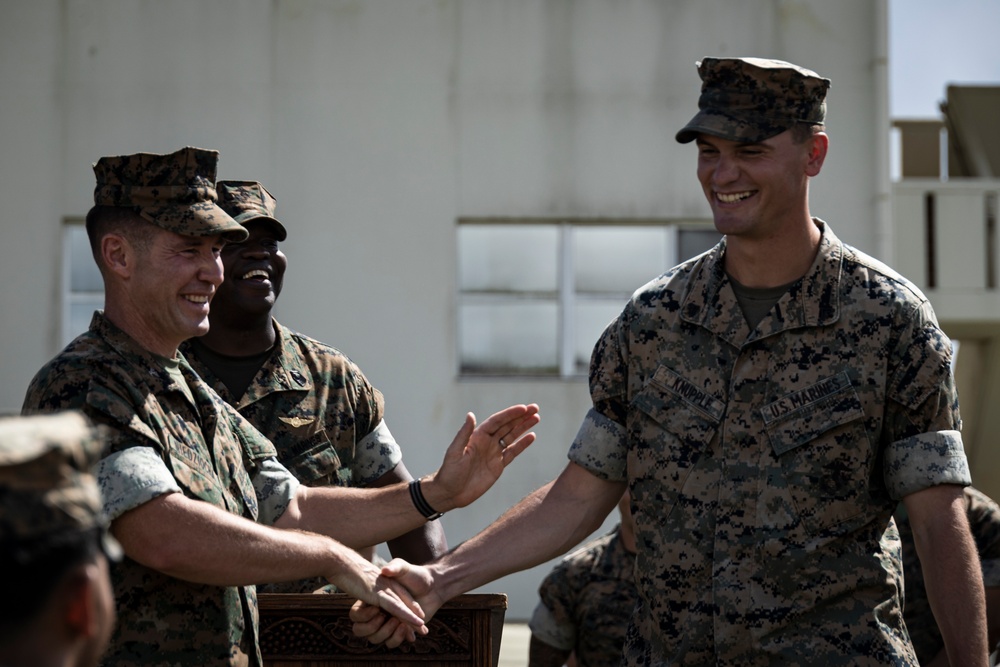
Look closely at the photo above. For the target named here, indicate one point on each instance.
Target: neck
(774, 261)
(131, 323)
(243, 338)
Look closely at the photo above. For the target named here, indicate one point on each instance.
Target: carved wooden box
(315, 631)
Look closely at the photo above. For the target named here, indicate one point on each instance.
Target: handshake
(394, 602)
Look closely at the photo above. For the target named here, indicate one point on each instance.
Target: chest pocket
(315, 462)
(671, 424)
(195, 473)
(818, 437)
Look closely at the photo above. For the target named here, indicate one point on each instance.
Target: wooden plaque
(315, 631)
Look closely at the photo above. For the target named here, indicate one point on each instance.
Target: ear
(118, 254)
(818, 145)
(80, 592)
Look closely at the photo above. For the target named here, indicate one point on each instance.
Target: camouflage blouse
(212, 453)
(764, 465)
(323, 416)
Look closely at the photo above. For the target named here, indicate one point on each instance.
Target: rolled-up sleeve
(599, 447)
(922, 416)
(275, 488)
(132, 477)
(377, 453)
(925, 460)
(544, 625)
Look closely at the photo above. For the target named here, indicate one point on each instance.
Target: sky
(936, 42)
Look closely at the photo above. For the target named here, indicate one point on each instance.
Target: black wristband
(417, 496)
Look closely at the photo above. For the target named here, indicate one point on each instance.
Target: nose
(726, 170)
(211, 270)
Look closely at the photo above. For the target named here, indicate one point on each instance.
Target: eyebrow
(739, 144)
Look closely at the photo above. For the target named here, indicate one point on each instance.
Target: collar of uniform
(706, 304)
(813, 301)
(132, 351)
(281, 372)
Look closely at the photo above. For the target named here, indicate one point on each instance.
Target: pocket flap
(803, 415)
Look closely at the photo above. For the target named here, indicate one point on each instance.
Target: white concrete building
(457, 176)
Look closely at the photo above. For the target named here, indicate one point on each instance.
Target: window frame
(68, 296)
(566, 297)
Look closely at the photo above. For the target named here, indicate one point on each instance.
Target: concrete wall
(376, 125)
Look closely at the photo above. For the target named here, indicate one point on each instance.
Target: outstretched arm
(472, 463)
(198, 542)
(422, 543)
(546, 524)
(950, 564)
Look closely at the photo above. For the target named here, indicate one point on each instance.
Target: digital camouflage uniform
(46, 486)
(320, 412)
(764, 466)
(984, 520)
(208, 448)
(586, 601)
(175, 191)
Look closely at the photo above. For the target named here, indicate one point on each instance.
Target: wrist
(440, 498)
(421, 502)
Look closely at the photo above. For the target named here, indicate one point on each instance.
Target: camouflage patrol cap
(249, 200)
(46, 486)
(753, 99)
(175, 191)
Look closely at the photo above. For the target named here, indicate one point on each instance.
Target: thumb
(396, 568)
(461, 439)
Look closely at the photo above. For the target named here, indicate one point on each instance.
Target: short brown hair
(803, 132)
(121, 220)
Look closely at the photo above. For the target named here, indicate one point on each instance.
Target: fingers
(508, 433)
(526, 423)
(362, 612)
(378, 627)
(404, 633)
(511, 419)
(395, 598)
(398, 607)
(512, 451)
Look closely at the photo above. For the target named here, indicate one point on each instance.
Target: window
(535, 295)
(82, 286)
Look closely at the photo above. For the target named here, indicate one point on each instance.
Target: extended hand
(365, 581)
(377, 627)
(478, 455)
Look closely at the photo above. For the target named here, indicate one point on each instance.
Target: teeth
(197, 298)
(733, 197)
(256, 273)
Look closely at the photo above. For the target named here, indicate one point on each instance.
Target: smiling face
(175, 279)
(254, 271)
(757, 190)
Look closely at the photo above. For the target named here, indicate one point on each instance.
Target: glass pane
(508, 258)
(83, 273)
(590, 320)
(618, 259)
(509, 337)
(695, 241)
